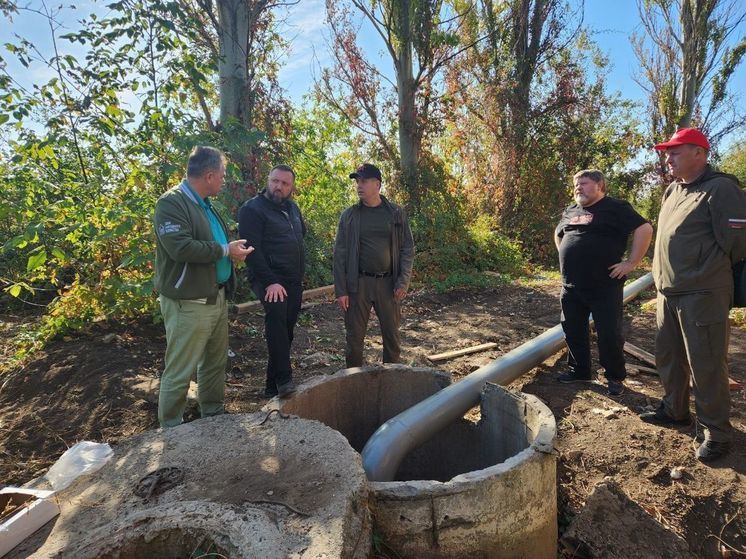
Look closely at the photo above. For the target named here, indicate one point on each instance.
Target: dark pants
(279, 325)
(692, 340)
(606, 306)
(379, 294)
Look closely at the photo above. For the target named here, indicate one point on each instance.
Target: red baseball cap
(685, 136)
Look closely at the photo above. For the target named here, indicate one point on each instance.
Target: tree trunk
(528, 19)
(689, 65)
(409, 147)
(233, 62)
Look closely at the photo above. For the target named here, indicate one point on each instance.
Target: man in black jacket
(272, 223)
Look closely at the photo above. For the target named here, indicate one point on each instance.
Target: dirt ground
(98, 385)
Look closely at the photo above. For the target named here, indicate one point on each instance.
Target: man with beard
(591, 239)
(272, 223)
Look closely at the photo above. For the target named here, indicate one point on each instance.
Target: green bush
(450, 247)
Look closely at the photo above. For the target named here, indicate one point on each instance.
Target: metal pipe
(387, 447)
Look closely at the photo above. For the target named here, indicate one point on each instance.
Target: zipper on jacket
(183, 275)
(292, 230)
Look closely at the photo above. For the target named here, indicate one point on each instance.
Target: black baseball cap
(366, 171)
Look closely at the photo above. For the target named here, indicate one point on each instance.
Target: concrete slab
(287, 487)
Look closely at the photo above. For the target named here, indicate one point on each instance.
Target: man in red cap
(373, 257)
(700, 237)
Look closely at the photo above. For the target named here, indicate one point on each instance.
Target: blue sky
(304, 26)
(612, 23)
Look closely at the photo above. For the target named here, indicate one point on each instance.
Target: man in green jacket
(194, 275)
(373, 256)
(701, 234)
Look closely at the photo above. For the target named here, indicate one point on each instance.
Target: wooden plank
(318, 292)
(460, 352)
(640, 354)
(644, 370)
(733, 385)
(243, 308)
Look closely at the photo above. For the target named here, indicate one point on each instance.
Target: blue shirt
(223, 266)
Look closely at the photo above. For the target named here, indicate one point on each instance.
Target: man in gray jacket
(193, 272)
(701, 234)
(373, 257)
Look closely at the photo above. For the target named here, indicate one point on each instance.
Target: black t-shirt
(594, 238)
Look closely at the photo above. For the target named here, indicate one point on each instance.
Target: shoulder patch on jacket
(735, 223)
(168, 227)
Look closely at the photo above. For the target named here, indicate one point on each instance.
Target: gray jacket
(347, 249)
(701, 234)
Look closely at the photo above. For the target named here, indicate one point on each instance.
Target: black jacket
(276, 232)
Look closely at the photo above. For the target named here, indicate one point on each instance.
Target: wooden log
(640, 354)
(733, 384)
(460, 352)
(242, 308)
(645, 370)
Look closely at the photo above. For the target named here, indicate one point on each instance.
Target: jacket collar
(187, 190)
(706, 175)
(384, 202)
(284, 205)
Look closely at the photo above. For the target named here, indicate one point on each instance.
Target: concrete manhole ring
(159, 481)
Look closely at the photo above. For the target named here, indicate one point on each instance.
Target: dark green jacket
(186, 253)
(701, 234)
(347, 249)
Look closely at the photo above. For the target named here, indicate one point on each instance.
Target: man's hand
(400, 293)
(275, 293)
(621, 269)
(344, 302)
(237, 252)
(640, 243)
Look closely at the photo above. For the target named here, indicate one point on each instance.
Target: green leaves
(36, 260)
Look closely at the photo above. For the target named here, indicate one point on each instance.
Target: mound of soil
(101, 385)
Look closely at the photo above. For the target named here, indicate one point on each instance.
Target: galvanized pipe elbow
(392, 441)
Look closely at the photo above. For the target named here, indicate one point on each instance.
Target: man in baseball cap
(373, 257)
(701, 234)
(685, 136)
(367, 171)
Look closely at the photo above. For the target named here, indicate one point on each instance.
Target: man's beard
(277, 197)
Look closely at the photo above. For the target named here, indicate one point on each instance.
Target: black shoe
(709, 451)
(616, 387)
(572, 376)
(661, 417)
(285, 390)
(269, 393)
